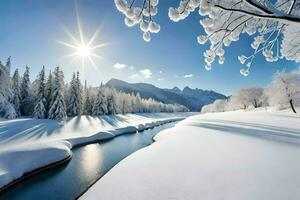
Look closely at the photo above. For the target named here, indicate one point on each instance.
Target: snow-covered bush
(245, 98)
(284, 91)
(217, 106)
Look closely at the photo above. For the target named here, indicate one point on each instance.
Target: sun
(84, 48)
(83, 51)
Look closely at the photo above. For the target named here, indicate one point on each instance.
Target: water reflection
(91, 160)
(87, 165)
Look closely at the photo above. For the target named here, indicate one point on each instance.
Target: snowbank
(31, 130)
(19, 160)
(104, 135)
(30, 144)
(233, 155)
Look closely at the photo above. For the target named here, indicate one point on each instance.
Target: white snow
(28, 144)
(30, 130)
(17, 160)
(231, 155)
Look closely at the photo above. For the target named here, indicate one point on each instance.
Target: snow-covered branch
(274, 25)
(141, 14)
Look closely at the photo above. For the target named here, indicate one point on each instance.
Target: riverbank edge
(96, 180)
(36, 171)
(98, 137)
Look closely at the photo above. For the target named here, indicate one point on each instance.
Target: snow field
(25, 150)
(231, 155)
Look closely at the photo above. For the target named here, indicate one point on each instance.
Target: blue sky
(30, 28)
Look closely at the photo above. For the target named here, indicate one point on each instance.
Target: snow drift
(232, 155)
(19, 160)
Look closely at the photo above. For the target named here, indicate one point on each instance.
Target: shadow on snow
(269, 132)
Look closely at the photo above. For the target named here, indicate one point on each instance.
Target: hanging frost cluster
(274, 25)
(184, 9)
(141, 15)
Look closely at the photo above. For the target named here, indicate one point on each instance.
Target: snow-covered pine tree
(57, 106)
(40, 111)
(5, 90)
(79, 94)
(6, 108)
(88, 106)
(75, 96)
(138, 103)
(49, 91)
(26, 94)
(71, 101)
(16, 90)
(111, 104)
(125, 103)
(100, 105)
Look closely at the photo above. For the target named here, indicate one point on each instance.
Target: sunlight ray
(97, 56)
(94, 36)
(91, 60)
(73, 38)
(79, 25)
(99, 46)
(82, 63)
(67, 44)
(93, 64)
(82, 49)
(75, 54)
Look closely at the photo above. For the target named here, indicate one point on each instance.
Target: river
(88, 164)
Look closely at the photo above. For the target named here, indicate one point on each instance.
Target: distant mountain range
(193, 99)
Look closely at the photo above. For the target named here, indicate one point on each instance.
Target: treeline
(282, 93)
(50, 97)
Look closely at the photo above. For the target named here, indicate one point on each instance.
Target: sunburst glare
(84, 48)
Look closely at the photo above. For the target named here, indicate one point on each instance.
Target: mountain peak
(176, 89)
(186, 88)
(193, 99)
(114, 80)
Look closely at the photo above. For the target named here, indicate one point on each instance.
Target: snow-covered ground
(28, 144)
(29, 130)
(21, 159)
(232, 155)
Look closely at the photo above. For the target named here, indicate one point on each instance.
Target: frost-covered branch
(141, 14)
(274, 25)
(283, 18)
